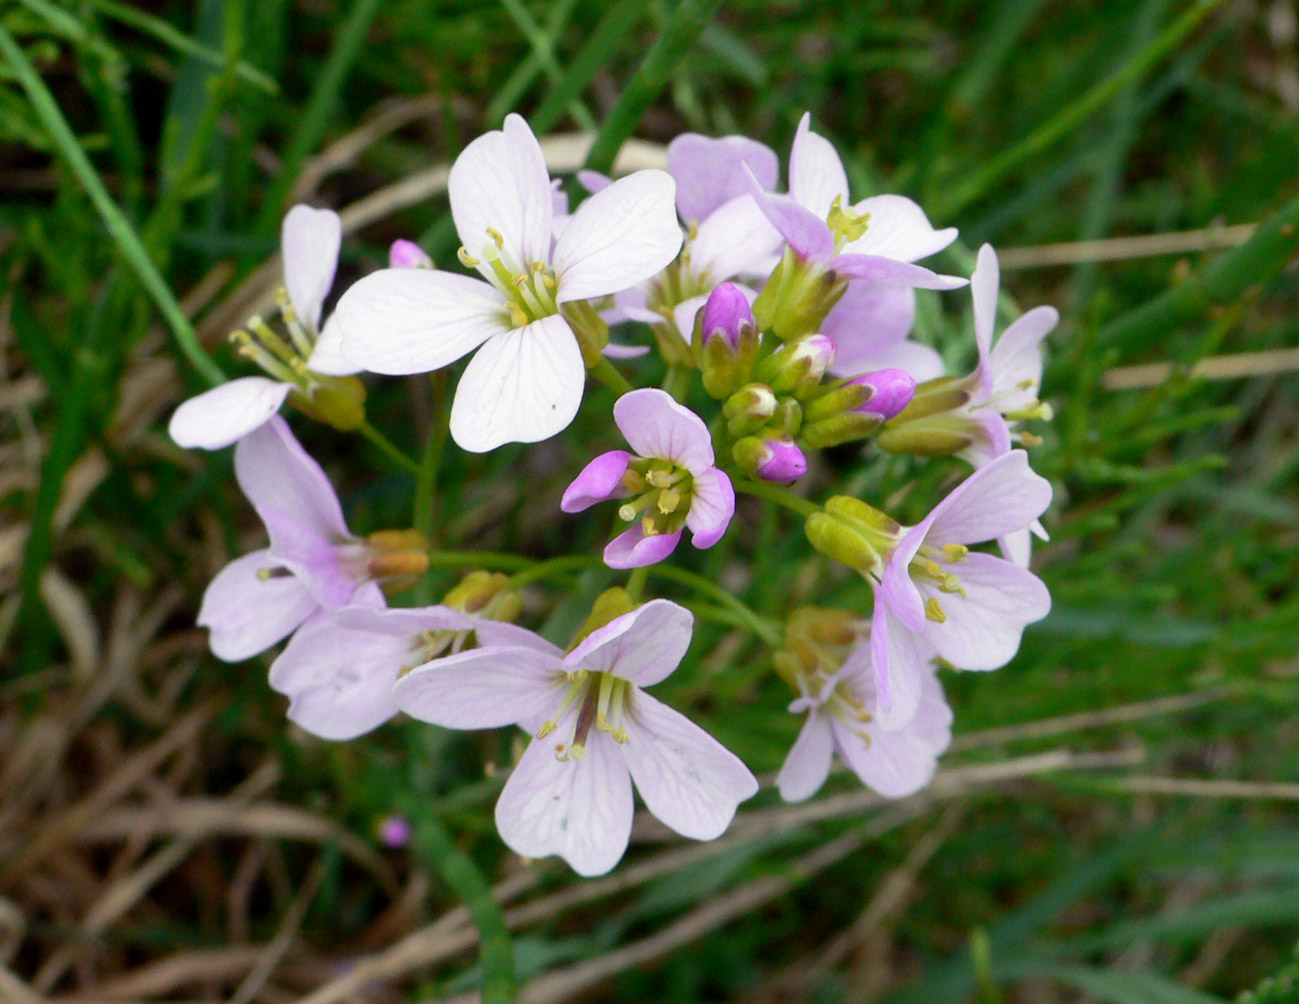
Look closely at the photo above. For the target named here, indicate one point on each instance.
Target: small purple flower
(408, 254)
(672, 480)
(395, 831)
(709, 171)
(595, 732)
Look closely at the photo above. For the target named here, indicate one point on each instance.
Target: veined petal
(643, 646)
(898, 229)
(985, 282)
(578, 809)
(276, 473)
(899, 657)
(1016, 359)
(309, 243)
(984, 626)
(878, 268)
(483, 688)
(656, 426)
(500, 182)
(994, 500)
(633, 549)
(688, 780)
(895, 764)
(807, 764)
(736, 240)
(711, 507)
(816, 174)
(805, 232)
(314, 559)
(618, 237)
(870, 318)
(599, 481)
(327, 356)
(338, 680)
(991, 438)
(247, 614)
(896, 589)
(709, 171)
(919, 361)
(225, 414)
(414, 320)
(1017, 547)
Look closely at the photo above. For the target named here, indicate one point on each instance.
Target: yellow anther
(955, 552)
(934, 568)
(265, 574)
(952, 584)
(668, 501)
(549, 282)
(1026, 383)
(518, 316)
(933, 611)
(466, 259)
(576, 752)
(538, 267)
(1027, 438)
(547, 727)
(659, 479)
(496, 237)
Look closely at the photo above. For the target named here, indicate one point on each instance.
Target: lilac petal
(398, 622)
(632, 549)
(897, 590)
(688, 780)
(985, 281)
(816, 174)
(618, 237)
(407, 254)
(683, 314)
(312, 558)
(994, 500)
(736, 240)
(709, 171)
(1016, 359)
(578, 809)
(870, 318)
(807, 764)
(1017, 547)
(593, 181)
(656, 426)
(500, 182)
(414, 320)
(225, 414)
(877, 268)
(276, 473)
(327, 356)
(600, 481)
(246, 614)
(338, 680)
(805, 232)
(615, 351)
(522, 386)
(920, 362)
(643, 646)
(984, 627)
(894, 764)
(991, 440)
(711, 507)
(898, 229)
(483, 688)
(309, 243)
(899, 657)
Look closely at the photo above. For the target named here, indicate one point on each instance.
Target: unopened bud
(608, 606)
(749, 409)
(725, 314)
(338, 402)
(797, 297)
(797, 368)
(939, 435)
(854, 533)
(775, 459)
(855, 407)
(487, 594)
(725, 340)
(408, 254)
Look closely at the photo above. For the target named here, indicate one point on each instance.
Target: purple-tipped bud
(784, 464)
(395, 831)
(408, 254)
(893, 390)
(726, 314)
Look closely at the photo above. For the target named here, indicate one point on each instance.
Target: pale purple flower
(709, 171)
(313, 564)
(595, 732)
(672, 479)
(869, 327)
(309, 243)
(935, 595)
(876, 239)
(338, 671)
(408, 254)
(525, 381)
(395, 831)
(841, 718)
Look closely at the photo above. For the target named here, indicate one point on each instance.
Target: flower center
(529, 288)
(1032, 409)
(661, 495)
(927, 567)
(601, 700)
(846, 225)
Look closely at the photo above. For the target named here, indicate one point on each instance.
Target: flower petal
(898, 229)
(1016, 359)
(985, 282)
(878, 268)
(312, 558)
(711, 507)
(618, 237)
(870, 318)
(994, 500)
(816, 174)
(522, 386)
(327, 356)
(656, 426)
(897, 764)
(338, 680)
(500, 182)
(737, 240)
(710, 171)
(578, 809)
(483, 688)
(899, 657)
(600, 481)
(415, 320)
(805, 232)
(687, 779)
(225, 414)
(633, 549)
(807, 764)
(984, 626)
(309, 243)
(247, 614)
(277, 474)
(643, 646)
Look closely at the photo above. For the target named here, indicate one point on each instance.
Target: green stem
(636, 583)
(388, 449)
(660, 63)
(605, 372)
(781, 496)
(551, 567)
(544, 53)
(765, 629)
(677, 382)
(478, 559)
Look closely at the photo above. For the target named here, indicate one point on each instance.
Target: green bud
(844, 427)
(939, 435)
(749, 409)
(608, 606)
(854, 533)
(797, 297)
(335, 401)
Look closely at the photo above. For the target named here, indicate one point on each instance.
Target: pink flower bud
(408, 254)
(892, 389)
(784, 462)
(726, 314)
(395, 831)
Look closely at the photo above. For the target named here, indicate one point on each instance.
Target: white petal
(246, 614)
(899, 229)
(643, 646)
(1002, 496)
(985, 282)
(816, 174)
(414, 320)
(500, 182)
(277, 474)
(578, 809)
(689, 780)
(483, 688)
(808, 762)
(309, 242)
(736, 241)
(900, 658)
(225, 414)
(1016, 359)
(522, 386)
(327, 356)
(618, 237)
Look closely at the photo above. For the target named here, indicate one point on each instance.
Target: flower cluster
(795, 310)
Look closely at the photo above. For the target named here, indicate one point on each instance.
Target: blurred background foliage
(1116, 821)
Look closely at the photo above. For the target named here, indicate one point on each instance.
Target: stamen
(933, 611)
(955, 552)
(668, 501)
(1028, 439)
(466, 259)
(496, 237)
(266, 574)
